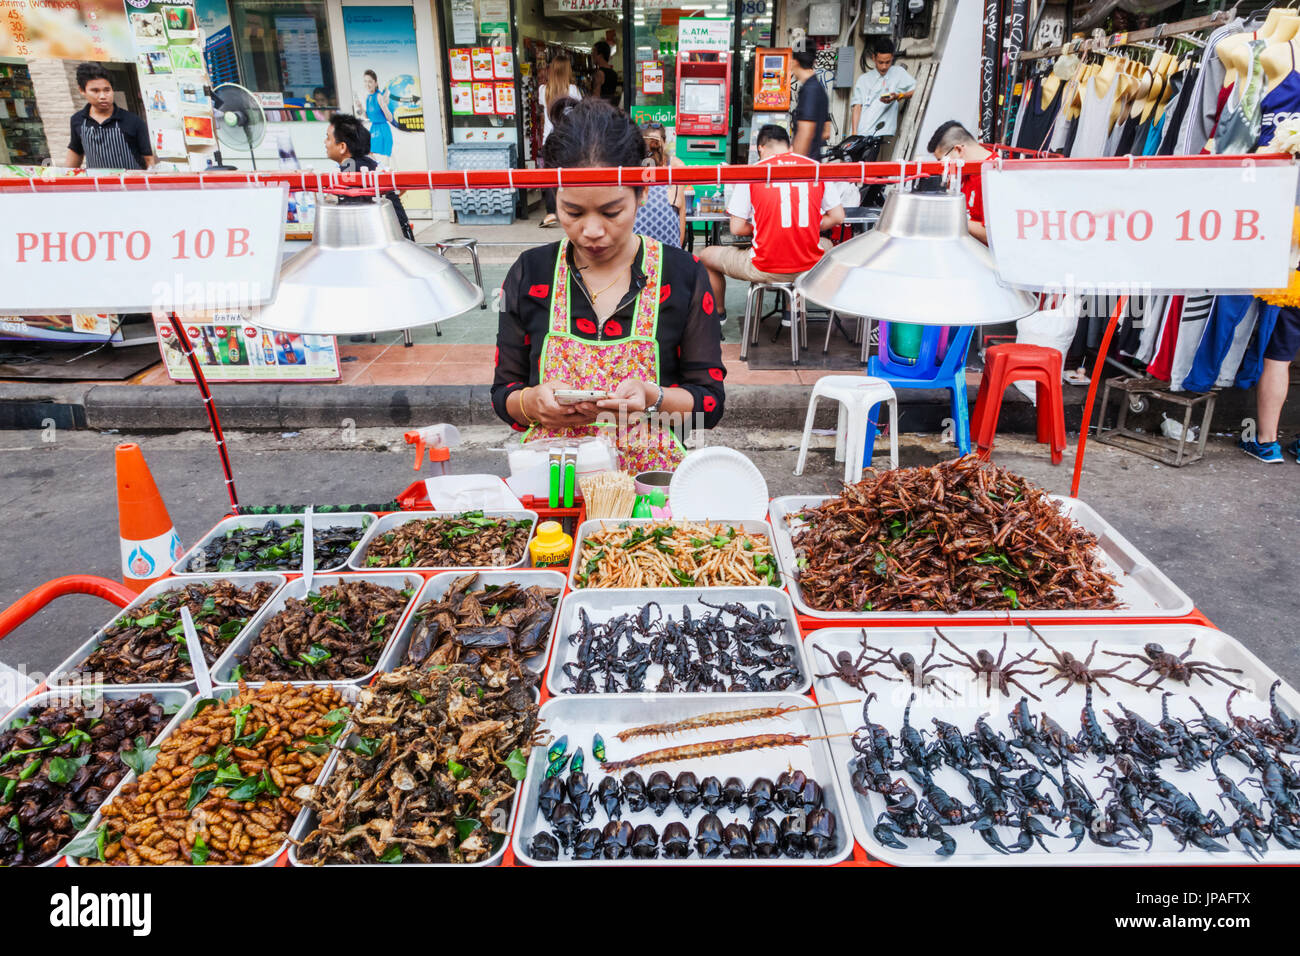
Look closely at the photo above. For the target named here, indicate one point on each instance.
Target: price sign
(133, 251)
(1219, 228)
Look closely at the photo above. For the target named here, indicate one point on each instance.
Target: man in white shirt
(876, 96)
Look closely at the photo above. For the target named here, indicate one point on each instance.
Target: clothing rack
(1194, 25)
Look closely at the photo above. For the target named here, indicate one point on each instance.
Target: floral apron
(606, 365)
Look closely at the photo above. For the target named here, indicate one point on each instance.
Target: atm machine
(703, 112)
(771, 92)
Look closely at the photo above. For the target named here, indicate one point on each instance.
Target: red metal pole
(209, 406)
(309, 180)
(34, 600)
(1120, 306)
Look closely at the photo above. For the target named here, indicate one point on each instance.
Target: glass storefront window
(755, 31)
(284, 46)
(482, 95)
(22, 135)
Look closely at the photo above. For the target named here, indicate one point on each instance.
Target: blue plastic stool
(929, 371)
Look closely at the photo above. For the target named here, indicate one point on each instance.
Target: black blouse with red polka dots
(690, 338)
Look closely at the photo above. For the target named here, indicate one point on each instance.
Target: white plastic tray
(168, 697)
(1143, 590)
(581, 717)
(601, 524)
(297, 588)
(1211, 645)
(62, 674)
(398, 518)
(602, 604)
(346, 691)
(436, 588)
(346, 519)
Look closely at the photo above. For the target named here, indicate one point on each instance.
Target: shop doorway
(580, 29)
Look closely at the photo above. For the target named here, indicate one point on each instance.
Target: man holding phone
(877, 95)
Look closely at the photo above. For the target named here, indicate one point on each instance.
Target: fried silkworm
(719, 718)
(709, 748)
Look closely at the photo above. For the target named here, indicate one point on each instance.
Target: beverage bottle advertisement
(230, 348)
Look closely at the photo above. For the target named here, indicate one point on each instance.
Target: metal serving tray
(1141, 587)
(602, 604)
(168, 697)
(437, 586)
(347, 519)
(347, 691)
(600, 524)
(62, 675)
(582, 717)
(238, 649)
(887, 709)
(388, 522)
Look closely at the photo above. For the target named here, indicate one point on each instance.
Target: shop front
(495, 54)
(301, 59)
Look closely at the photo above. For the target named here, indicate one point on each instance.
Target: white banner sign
(170, 249)
(1168, 229)
(700, 34)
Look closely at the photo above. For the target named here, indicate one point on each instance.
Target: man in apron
(104, 136)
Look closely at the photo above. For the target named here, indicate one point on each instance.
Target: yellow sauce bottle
(551, 546)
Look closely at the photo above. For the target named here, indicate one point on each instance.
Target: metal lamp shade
(362, 275)
(919, 265)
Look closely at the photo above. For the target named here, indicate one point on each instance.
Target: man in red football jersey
(786, 220)
(953, 142)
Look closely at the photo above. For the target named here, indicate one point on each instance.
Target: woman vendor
(607, 310)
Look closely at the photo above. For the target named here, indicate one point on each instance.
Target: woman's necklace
(619, 274)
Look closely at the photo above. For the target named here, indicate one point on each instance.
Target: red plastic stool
(1004, 364)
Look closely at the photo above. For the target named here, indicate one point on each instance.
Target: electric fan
(239, 119)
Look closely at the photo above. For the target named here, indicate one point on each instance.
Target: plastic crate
(482, 207)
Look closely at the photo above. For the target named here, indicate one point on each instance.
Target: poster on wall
(69, 30)
(213, 18)
(462, 99)
(161, 97)
(172, 78)
(74, 327)
(505, 99)
(384, 68)
(652, 78)
(464, 28)
(460, 68)
(494, 17)
(198, 128)
(700, 34)
(481, 61)
(503, 63)
(230, 348)
(484, 99)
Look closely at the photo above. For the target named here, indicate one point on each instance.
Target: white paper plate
(715, 483)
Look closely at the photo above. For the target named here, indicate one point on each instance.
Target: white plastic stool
(856, 394)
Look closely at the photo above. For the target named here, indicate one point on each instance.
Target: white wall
(955, 94)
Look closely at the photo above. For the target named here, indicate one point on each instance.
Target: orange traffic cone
(150, 545)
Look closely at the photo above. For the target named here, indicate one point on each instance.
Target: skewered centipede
(709, 748)
(719, 718)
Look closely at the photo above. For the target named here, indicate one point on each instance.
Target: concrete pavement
(1224, 529)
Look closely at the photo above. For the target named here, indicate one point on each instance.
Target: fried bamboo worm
(712, 748)
(719, 718)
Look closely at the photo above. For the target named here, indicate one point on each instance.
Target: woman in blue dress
(380, 119)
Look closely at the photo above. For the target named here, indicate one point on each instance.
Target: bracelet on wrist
(523, 408)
